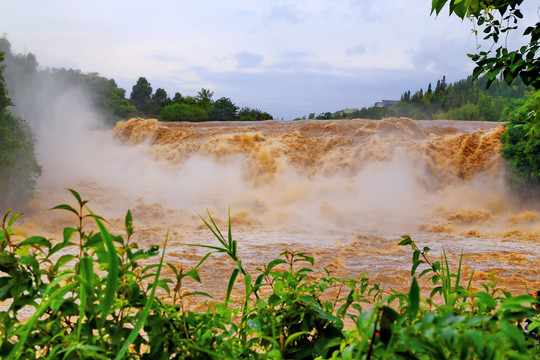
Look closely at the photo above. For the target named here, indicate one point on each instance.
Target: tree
(141, 94)
(204, 98)
(497, 18)
(223, 109)
(160, 97)
(18, 166)
(249, 114)
(177, 98)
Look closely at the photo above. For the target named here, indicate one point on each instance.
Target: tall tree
(204, 98)
(160, 97)
(223, 109)
(141, 94)
(18, 166)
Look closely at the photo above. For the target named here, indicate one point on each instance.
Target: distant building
(384, 103)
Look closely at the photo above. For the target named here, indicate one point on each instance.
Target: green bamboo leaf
(194, 275)
(202, 260)
(86, 288)
(231, 284)
(113, 271)
(458, 277)
(220, 238)
(143, 314)
(66, 207)
(200, 293)
(414, 300)
(229, 232)
(218, 249)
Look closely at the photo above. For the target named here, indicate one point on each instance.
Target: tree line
(200, 107)
(462, 100)
(111, 102)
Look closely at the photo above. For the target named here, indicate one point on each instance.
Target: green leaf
(31, 261)
(13, 218)
(437, 5)
(113, 271)
(200, 293)
(68, 233)
(231, 284)
(36, 240)
(143, 314)
(62, 260)
(129, 223)
(414, 300)
(66, 207)
(78, 197)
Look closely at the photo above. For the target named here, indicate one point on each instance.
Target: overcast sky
(289, 58)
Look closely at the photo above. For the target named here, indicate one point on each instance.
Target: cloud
(442, 55)
(246, 59)
(166, 58)
(355, 50)
(284, 13)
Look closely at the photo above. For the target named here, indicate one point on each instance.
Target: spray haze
(322, 185)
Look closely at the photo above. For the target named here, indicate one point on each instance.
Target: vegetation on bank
(462, 100)
(93, 295)
(201, 107)
(27, 83)
(18, 166)
(521, 141)
(25, 80)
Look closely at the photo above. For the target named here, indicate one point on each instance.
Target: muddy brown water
(341, 191)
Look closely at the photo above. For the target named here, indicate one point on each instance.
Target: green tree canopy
(141, 93)
(18, 166)
(160, 97)
(224, 110)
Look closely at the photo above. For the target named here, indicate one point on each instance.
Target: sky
(289, 58)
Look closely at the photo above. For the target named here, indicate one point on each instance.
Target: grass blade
(231, 284)
(86, 286)
(113, 272)
(29, 325)
(146, 310)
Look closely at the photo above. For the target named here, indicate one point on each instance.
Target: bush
(183, 112)
(94, 299)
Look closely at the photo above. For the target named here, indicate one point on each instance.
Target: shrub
(183, 112)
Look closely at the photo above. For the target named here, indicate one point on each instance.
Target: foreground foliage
(90, 296)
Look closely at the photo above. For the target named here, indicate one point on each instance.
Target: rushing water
(342, 191)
